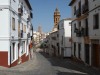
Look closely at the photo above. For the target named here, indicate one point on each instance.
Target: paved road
(42, 64)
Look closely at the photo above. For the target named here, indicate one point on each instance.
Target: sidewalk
(23, 66)
(86, 68)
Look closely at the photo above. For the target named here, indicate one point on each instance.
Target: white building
(85, 31)
(64, 32)
(38, 37)
(16, 29)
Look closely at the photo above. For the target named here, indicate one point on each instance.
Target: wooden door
(95, 55)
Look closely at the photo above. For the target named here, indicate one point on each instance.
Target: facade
(16, 31)
(85, 31)
(52, 37)
(56, 19)
(64, 31)
(38, 37)
(53, 45)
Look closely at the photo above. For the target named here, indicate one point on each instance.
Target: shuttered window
(24, 28)
(13, 23)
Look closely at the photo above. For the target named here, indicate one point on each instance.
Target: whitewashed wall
(65, 31)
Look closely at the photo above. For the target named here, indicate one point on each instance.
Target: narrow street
(42, 64)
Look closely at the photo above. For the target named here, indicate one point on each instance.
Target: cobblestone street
(42, 64)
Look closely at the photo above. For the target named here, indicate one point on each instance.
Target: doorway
(79, 50)
(87, 55)
(19, 57)
(95, 55)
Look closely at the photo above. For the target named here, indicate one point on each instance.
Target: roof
(28, 4)
(71, 3)
(66, 19)
(56, 10)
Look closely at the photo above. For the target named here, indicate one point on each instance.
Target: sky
(43, 11)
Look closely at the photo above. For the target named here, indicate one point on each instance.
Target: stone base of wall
(4, 59)
(24, 58)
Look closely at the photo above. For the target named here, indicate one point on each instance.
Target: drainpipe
(10, 33)
(71, 39)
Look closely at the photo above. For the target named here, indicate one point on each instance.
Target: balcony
(85, 8)
(31, 14)
(20, 34)
(20, 11)
(79, 32)
(31, 27)
(86, 33)
(76, 30)
(28, 35)
(78, 12)
(53, 38)
(28, 18)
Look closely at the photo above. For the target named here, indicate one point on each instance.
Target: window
(74, 27)
(57, 35)
(18, 26)
(62, 40)
(56, 19)
(58, 26)
(79, 50)
(79, 8)
(23, 47)
(74, 10)
(25, 28)
(14, 0)
(86, 1)
(79, 24)
(96, 21)
(13, 51)
(22, 26)
(86, 27)
(13, 23)
(74, 49)
(19, 29)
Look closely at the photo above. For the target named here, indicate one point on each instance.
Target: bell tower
(56, 17)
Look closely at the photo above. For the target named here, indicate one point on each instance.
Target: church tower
(56, 17)
(39, 29)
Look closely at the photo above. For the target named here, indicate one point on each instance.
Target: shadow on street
(64, 66)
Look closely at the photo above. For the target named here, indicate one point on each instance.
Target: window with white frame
(13, 51)
(23, 47)
(13, 23)
(96, 21)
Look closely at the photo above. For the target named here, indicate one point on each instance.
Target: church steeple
(56, 17)
(39, 29)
